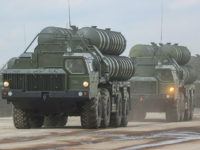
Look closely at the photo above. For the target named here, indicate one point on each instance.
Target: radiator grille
(36, 82)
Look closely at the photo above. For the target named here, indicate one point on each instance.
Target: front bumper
(12, 95)
(152, 103)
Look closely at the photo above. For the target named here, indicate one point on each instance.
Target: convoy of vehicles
(79, 72)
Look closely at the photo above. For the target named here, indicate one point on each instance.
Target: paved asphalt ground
(153, 133)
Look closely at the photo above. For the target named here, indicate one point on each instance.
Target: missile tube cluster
(189, 74)
(111, 44)
(108, 42)
(120, 68)
(180, 54)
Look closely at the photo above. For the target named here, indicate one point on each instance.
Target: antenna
(162, 17)
(69, 14)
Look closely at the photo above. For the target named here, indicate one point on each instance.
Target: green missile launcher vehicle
(163, 81)
(72, 72)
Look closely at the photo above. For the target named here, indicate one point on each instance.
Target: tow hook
(44, 96)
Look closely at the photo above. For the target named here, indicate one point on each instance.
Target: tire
(191, 109)
(116, 117)
(182, 105)
(106, 108)
(176, 111)
(173, 113)
(53, 121)
(21, 118)
(36, 121)
(91, 113)
(170, 117)
(125, 112)
(191, 114)
(188, 110)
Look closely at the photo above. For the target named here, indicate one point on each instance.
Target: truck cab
(82, 73)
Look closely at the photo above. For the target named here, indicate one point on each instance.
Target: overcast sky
(138, 20)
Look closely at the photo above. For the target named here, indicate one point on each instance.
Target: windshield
(75, 66)
(165, 75)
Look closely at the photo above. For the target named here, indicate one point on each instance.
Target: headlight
(171, 89)
(85, 84)
(6, 84)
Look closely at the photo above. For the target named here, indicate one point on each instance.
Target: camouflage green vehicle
(72, 72)
(163, 82)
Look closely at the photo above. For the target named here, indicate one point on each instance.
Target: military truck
(163, 81)
(71, 72)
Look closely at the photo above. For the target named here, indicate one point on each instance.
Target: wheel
(116, 117)
(21, 118)
(191, 109)
(58, 120)
(106, 108)
(182, 106)
(125, 111)
(92, 112)
(173, 113)
(188, 110)
(36, 121)
(176, 111)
